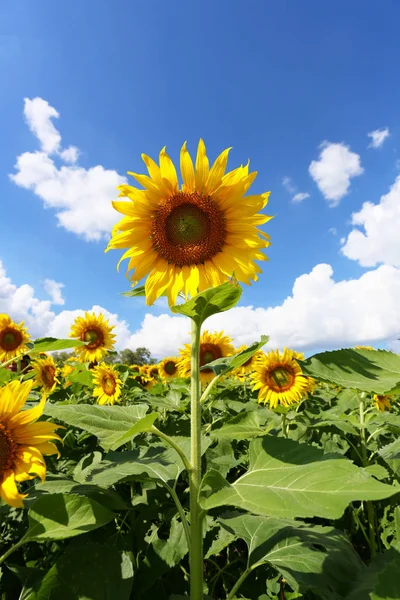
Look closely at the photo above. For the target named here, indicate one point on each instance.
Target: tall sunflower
(168, 368)
(192, 237)
(13, 338)
(107, 384)
(280, 380)
(95, 331)
(212, 346)
(382, 403)
(22, 441)
(46, 373)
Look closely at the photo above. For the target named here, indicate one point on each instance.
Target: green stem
(181, 512)
(12, 549)
(285, 426)
(175, 446)
(239, 582)
(208, 389)
(364, 454)
(196, 525)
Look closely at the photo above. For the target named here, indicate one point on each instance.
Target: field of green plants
(200, 483)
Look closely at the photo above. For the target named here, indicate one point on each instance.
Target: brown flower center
(208, 353)
(108, 384)
(48, 375)
(153, 372)
(188, 229)
(7, 449)
(10, 339)
(170, 367)
(281, 378)
(94, 336)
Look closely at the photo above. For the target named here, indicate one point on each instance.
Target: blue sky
(272, 79)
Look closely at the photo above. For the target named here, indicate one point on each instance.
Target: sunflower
(250, 364)
(22, 441)
(382, 403)
(364, 348)
(107, 384)
(46, 372)
(192, 237)
(212, 346)
(95, 331)
(168, 368)
(13, 338)
(279, 379)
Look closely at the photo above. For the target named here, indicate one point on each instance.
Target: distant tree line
(140, 356)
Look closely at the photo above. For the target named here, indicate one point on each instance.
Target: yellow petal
(187, 170)
(13, 397)
(9, 491)
(217, 171)
(202, 167)
(168, 170)
(28, 416)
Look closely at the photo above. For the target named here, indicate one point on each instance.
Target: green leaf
(332, 424)
(391, 455)
(289, 479)
(138, 291)
(50, 344)
(60, 516)
(92, 571)
(310, 558)
(241, 427)
(221, 457)
(112, 425)
(228, 363)
(108, 498)
(366, 370)
(210, 302)
(5, 375)
(380, 580)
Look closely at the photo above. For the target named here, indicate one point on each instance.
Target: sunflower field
(217, 473)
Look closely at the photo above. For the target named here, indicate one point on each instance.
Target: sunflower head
(46, 373)
(95, 331)
(13, 338)
(168, 368)
(364, 348)
(279, 379)
(191, 237)
(382, 403)
(212, 346)
(107, 384)
(22, 441)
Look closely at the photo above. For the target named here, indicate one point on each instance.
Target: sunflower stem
(196, 517)
(369, 505)
(12, 549)
(173, 445)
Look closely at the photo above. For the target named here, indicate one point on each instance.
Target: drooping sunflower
(22, 441)
(279, 379)
(192, 237)
(382, 403)
(168, 368)
(250, 364)
(212, 346)
(107, 384)
(46, 373)
(96, 332)
(13, 338)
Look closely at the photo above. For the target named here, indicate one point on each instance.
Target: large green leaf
(289, 479)
(112, 425)
(391, 455)
(366, 370)
(309, 557)
(60, 516)
(380, 580)
(241, 427)
(107, 497)
(210, 302)
(228, 363)
(50, 344)
(89, 572)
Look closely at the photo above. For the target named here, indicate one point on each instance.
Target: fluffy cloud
(378, 136)
(292, 189)
(380, 240)
(332, 172)
(300, 197)
(320, 313)
(53, 288)
(81, 197)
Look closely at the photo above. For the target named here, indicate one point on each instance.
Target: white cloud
(288, 185)
(81, 197)
(333, 230)
(332, 172)
(53, 288)
(378, 136)
(300, 197)
(380, 240)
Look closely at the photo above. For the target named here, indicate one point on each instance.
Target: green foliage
(222, 366)
(50, 344)
(210, 302)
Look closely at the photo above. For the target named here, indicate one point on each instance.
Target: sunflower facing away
(22, 441)
(107, 384)
(46, 373)
(279, 379)
(96, 332)
(168, 368)
(13, 338)
(250, 364)
(382, 403)
(192, 237)
(212, 346)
